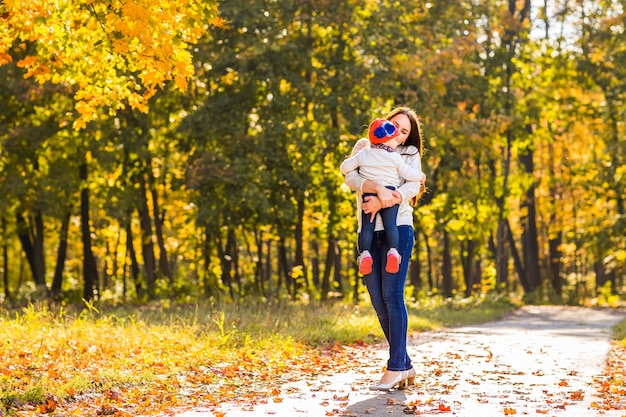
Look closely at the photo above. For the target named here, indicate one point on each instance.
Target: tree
(113, 54)
(602, 68)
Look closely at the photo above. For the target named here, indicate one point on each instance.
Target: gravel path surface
(539, 360)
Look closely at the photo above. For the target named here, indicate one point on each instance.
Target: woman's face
(403, 124)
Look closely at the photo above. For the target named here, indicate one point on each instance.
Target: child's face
(403, 124)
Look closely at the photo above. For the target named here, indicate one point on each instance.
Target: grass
(619, 332)
(140, 359)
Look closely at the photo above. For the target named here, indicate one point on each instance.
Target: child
(380, 163)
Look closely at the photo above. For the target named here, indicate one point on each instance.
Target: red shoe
(393, 261)
(365, 263)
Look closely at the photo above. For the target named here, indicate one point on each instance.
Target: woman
(386, 289)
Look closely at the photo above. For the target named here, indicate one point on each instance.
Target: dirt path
(536, 361)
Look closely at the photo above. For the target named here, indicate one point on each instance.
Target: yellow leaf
(180, 83)
(5, 58)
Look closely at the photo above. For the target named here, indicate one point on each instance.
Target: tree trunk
(315, 264)
(517, 262)
(501, 255)
(446, 267)
(337, 269)
(234, 254)
(467, 260)
(147, 248)
(134, 264)
(164, 265)
(225, 263)
(555, 237)
(106, 279)
(555, 263)
(415, 270)
(530, 246)
(299, 261)
(40, 260)
(32, 240)
(57, 281)
(330, 263)
(5, 260)
(90, 269)
(259, 276)
(510, 38)
(477, 273)
(116, 248)
(431, 284)
(601, 276)
(284, 271)
(267, 271)
(357, 278)
(210, 284)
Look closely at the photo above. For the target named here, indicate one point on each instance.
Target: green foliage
(606, 296)
(619, 332)
(230, 187)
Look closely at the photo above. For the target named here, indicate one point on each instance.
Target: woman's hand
(373, 204)
(386, 196)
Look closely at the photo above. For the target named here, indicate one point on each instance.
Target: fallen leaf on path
(577, 396)
(49, 406)
(106, 410)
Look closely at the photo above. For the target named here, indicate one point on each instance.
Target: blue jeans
(388, 216)
(387, 294)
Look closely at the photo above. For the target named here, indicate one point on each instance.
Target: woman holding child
(386, 285)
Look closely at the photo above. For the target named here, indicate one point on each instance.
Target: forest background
(190, 151)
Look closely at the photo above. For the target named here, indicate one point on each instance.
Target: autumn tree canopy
(227, 184)
(113, 54)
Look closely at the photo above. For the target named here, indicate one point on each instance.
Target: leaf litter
(249, 379)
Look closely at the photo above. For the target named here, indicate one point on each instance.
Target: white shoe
(399, 380)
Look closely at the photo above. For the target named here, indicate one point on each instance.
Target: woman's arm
(384, 196)
(387, 197)
(372, 204)
(352, 177)
(412, 188)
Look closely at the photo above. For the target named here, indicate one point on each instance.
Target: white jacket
(407, 188)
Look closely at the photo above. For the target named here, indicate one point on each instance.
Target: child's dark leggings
(389, 216)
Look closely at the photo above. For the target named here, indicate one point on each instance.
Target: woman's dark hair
(416, 137)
